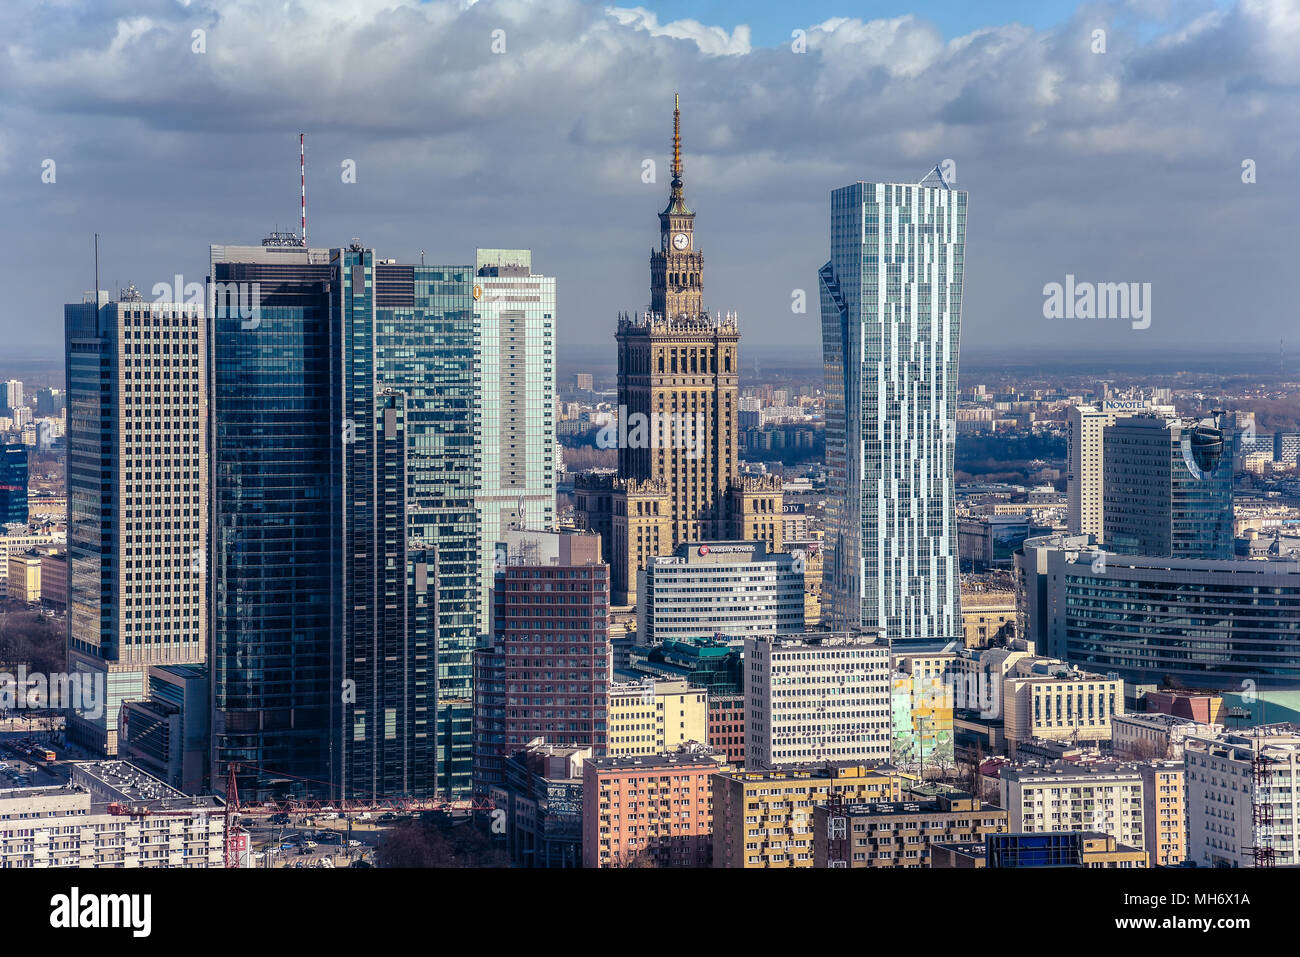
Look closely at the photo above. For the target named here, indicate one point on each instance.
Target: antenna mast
(302, 170)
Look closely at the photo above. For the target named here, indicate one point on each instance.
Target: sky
(1162, 151)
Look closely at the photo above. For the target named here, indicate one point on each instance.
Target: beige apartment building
(1105, 798)
(888, 834)
(765, 818)
(1164, 811)
(653, 717)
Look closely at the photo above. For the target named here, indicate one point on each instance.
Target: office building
(137, 485)
(1168, 488)
(1085, 479)
(514, 324)
(1062, 796)
(888, 834)
(24, 582)
(708, 590)
(1153, 735)
(713, 664)
(168, 733)
(1205, 624)
(549, 622)
(891, 313)
(1046, 699)
(13, 485)
(653, 717)
(23, 539)
(727, 726)
(764, 818)
(54, 580)
(650, 811)
(277, 677)
(816, 697)
(678, 462)
(541, 794)
(1243, 806)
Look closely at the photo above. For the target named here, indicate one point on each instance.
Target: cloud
(1093, 164)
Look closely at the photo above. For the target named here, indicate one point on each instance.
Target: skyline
(1111, 143)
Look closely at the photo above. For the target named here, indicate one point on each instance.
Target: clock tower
(677, 267)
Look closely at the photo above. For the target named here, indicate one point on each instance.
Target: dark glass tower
(13, 484)
(276, 694)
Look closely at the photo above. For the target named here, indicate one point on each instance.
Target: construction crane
(234, 809)
(1262, 806)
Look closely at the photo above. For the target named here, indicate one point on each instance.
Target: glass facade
(891, 310)
(13, 484)
(273, 682)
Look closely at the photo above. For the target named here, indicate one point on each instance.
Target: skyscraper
(410, 539)
(1168, 491)
(276, 677)
(1085, 479)
(514, 321)
(678, 463)
(891, 314)
(137, 498)
(12, 395)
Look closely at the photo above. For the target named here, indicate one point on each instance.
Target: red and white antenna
(302, 167)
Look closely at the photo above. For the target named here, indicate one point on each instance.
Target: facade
(678, 462)
(168, 734)
(727, 727)
(1168, 488)
(541, 794)
(12, 396)
(651, 717)
(25, 577)
(45, 539)
(764, 818)
(891, 315)
(1085, 478)
(1104, 798)
(719, 589)
(988, 618)
(276, 677)
(548, 621)
(1243, 806)
(137, 485)
(54, 580)
(652, 811)
(899, 834)
(1204, 624)
(1164, 812)
(714, 665)
(816, 697)
(1153, 735)
(1043, 698)
(514, 324)
(921, 721)
(13, 485)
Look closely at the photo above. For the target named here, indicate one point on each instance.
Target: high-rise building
(816, 697)
(50, 402)
(678, 461)
(13, 484)
(1168, 488)
(12, 396)
(1085, 477)
(514, 322)
(137, 498)
(548, 620)
(277, 681)
(1104, 798)
(891, 313)
(410, 577)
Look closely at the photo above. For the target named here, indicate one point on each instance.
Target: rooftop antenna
(302, 171)
(96, 270)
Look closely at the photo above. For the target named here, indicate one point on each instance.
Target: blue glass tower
(13, 484)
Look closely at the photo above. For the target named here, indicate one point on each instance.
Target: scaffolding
(1262, 805)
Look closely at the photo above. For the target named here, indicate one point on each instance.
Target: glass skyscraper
(13, 485)
(275, 675)
(891, 314)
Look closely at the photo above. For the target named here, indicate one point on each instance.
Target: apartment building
(764, 818)
(1164, 812)
(651, 811)
(1105, 798)
(888, 834)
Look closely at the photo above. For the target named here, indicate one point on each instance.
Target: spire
(676, 199)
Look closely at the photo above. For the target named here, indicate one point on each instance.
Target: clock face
(681, 241)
